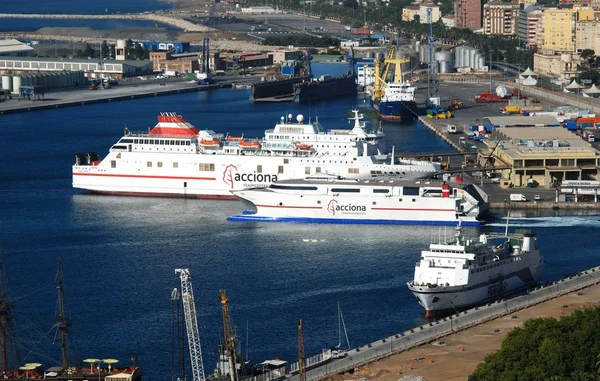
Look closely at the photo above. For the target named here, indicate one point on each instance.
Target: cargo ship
(461, 272)
(281, 88)
(324, 88)
(397, 102)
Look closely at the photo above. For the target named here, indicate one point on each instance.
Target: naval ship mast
(5, 307)
(62, 321)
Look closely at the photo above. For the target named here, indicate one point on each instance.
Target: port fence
(434, 331)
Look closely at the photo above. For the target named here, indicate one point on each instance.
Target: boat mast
(62, 321)
(5, 306)
(341, 325)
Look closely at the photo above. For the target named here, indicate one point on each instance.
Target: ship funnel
(526, 243)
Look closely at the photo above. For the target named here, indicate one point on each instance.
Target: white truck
(518, 197)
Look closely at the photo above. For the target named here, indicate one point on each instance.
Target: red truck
(487, 97)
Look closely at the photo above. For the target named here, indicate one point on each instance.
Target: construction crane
(229, 335)
(301, 353)
(191, 324)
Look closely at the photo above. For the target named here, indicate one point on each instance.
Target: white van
(518, 197)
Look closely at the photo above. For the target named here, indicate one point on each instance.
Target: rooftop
(12, 45)
(514, 143)
(521, 121)
(135, 63)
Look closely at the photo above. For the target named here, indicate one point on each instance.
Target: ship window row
(167, 142)
(293, 187)
(376, 173)
(159, 164)
(323, 161)
(345, 190)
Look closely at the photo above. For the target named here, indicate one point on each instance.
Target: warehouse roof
(11, 45)
(521, 121)
(134, 63)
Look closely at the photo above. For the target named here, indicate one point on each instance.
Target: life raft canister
(445, 191)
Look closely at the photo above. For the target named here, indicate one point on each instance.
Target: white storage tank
(7, 82)
(481, 62)
(472, 54)
(17, 82)
(458, 55)
(466, 54)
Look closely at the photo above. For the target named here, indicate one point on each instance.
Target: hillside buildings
(468, 13)
(500, 18)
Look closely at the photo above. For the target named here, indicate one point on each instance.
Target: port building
(548, 155)
(14, 48)
(93, 68)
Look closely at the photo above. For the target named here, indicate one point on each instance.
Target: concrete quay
(185, 25)
(82, 97)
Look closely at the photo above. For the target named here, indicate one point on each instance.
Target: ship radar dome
(290, 116)
(300, 118)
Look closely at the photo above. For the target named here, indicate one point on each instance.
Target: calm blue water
(119, 253)
(81, 7)
(30, 25)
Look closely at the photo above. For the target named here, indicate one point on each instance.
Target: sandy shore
(456, 356)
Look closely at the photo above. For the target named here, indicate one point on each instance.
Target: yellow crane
(381, 79)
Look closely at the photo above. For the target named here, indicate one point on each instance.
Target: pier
(460, 322)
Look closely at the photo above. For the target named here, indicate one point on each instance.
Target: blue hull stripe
(251, 218)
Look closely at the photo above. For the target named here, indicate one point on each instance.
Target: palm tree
(581, 376)
(598, 364)
(556, 378)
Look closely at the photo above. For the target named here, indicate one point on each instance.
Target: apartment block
(588, 35)
(528, 26)
(409, 12)
(559, 30)
(468, 13)
(500, 18)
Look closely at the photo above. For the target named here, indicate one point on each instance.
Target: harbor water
(119, 253)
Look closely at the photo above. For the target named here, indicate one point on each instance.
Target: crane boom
(229, 334)
(191, 324)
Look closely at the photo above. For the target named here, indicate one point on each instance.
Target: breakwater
(185, 25)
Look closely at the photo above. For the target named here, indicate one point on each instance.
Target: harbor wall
(460, 321)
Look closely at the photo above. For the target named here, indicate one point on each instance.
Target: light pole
(490, 71)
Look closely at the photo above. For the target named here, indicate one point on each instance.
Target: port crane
(191, 324)
(229, 335)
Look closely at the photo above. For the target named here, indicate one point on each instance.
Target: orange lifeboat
(234, 138)
(304, 147)
(210, 143)
(249, 144)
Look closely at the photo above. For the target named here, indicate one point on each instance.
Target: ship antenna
(507, 219)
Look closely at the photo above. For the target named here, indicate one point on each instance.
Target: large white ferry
(462, 272)
(333, 200)
(176, 159)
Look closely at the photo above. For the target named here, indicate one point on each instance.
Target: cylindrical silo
(16, 84)
(465, 56)
(444, 67)
(481, 62)
(7, 82)
(54, 80)
(458, 54)
(472, 60)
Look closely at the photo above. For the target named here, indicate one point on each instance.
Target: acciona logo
(334, 206)
(231, 176)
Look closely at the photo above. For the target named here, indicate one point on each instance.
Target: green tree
(87, 51)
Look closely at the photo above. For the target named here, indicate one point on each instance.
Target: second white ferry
(461, 272)
(175, 159)
(332, 200)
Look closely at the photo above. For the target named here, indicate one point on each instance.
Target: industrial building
(547, 155)
(92, 68)
(172, 47)
(164, 61)
(562, 66)
(285, 55)
(13, 48)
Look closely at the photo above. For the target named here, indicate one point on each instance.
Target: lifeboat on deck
(303, 147)
(210, 143)
(252, 144)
